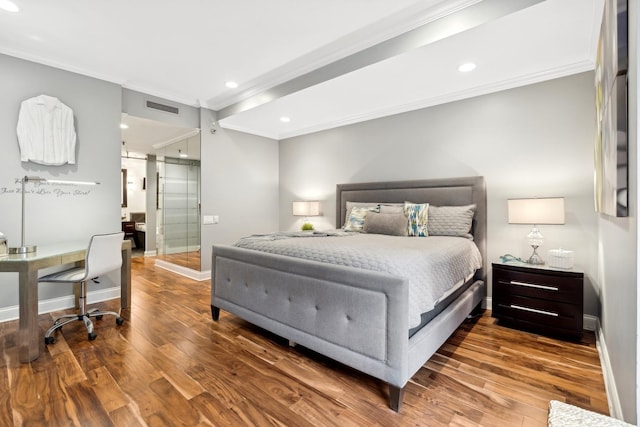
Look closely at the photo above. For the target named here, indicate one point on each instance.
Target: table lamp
(536, 212)
(24, 248)
(306, 209)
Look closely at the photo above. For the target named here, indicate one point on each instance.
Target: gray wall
(53, 218)
(239, 184)
(530, 141)
(150, 194)
(618, 259)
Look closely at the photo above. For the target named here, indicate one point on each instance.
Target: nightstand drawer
(552, 314)
(536, 285)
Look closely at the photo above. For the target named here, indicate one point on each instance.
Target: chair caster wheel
(49, 340)
(99, 317)
(119, 320)
(92, 336)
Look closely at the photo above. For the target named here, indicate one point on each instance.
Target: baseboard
(487, 303)
(615, 408)
(589, 322)
(61, 303)
(151, 253)
(184, 271)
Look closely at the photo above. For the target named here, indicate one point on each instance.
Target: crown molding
(243, 129)
(574, 68)
(187, 134)
(442, 28)
(120, 81)
(399, 23)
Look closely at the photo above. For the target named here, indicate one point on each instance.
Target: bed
(356, 316)
(141, 228)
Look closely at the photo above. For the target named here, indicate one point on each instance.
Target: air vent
(162, 107)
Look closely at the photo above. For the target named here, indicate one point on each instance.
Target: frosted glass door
(181, 216)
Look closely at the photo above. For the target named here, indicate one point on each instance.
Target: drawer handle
(533, 310)
(531, 285)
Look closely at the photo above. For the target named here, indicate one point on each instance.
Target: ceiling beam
(447, 26)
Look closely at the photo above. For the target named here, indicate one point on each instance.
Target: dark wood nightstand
(538, 298)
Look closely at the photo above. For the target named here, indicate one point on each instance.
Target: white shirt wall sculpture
(45, 131)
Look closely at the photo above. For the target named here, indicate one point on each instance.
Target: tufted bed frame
(303, 300)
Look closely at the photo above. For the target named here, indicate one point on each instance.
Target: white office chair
(104, 254)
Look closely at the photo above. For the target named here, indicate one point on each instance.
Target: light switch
(208, 219)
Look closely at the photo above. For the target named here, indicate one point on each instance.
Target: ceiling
(142, 136)
(321, 63)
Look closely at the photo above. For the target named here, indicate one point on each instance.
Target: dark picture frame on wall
(123, 183)
(611, 143)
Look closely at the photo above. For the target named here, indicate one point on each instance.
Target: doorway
(161, 189)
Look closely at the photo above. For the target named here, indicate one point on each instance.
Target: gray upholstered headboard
(438, 192)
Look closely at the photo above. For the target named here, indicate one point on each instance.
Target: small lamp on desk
(306, 209)
(536, 212)
(24, 248)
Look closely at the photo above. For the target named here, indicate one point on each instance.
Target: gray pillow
(389, 224)
(394, 208)
(451, 220)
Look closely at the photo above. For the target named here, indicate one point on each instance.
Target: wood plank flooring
(171, 365)
(185, 259)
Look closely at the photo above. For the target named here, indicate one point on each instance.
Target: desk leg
(28, 340)
(125, 278)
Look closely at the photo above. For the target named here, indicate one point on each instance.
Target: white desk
(27, 266)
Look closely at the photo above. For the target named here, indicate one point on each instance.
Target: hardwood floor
(171, 365)
(185, 259)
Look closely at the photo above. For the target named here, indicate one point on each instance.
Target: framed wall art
(611, 144)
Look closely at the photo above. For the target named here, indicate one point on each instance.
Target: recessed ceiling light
(9, 6)
(285, 119)
(231, 85)
(122, 125)
(469, 66)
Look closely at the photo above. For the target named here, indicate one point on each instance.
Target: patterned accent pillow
(418, 215)
(355, 222)
(451, 220)
(350, 205)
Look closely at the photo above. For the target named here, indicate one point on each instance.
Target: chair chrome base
(83, 316)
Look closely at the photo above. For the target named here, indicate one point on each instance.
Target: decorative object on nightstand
(536, 212)
(560, 258)
(538, 298)
(306, 209)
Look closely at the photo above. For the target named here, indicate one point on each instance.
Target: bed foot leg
(395, 397)
(476, 312)
(215, 313)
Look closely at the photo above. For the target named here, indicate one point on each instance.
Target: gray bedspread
(433, 265)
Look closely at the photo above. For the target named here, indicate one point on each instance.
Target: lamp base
(22, 250)
(535, 258)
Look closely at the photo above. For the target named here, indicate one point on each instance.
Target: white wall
(618, 259)
(239, 185)
(530, 141)
(60, 213)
